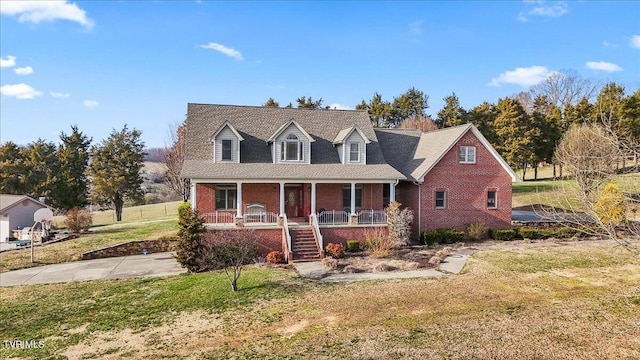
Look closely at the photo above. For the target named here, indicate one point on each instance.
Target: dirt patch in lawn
(403, 259)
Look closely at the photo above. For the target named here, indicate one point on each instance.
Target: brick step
(305, 246)
(305, 255)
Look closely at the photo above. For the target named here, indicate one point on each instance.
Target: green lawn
(99, 237)
(550, 303)
(132, 214)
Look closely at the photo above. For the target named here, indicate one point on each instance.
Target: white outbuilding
(16, 212)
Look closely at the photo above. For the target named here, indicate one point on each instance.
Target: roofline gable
(353, 128)
(484, 142)
(20, 200)
(282, 128)
(227, 124)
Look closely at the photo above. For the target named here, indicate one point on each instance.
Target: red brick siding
(342, 234)
(466, 188)
(269, 239)
(267, 194)
(329, 196)
(205, 198)
(407, 195)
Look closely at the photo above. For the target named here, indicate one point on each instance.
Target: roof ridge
(274, 107)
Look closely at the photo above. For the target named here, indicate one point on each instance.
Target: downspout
(419, 208)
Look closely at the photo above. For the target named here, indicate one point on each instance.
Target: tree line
(524, 128)
(74, 172)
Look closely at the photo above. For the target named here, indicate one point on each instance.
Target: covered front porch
(337, 203)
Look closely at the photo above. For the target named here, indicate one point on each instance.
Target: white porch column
(353, 198)
(239, 199)
(192, 195)
(281, 198)
(313, 198)
(392, 193)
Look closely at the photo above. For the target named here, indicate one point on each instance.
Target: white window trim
(465, 150)
(357, 160)
(435, 196)
(495, 191)
(222, 149)
(284, 146)
(226, 188)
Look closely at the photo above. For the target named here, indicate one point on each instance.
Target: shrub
(275, 257)
(477, 230)
(330, 262)
(382, 267)
(189, 243)
(78, 220)
(334, 250)
(503, 234)
(399, 223)
(378, 243)
(442, 236)
(353, 246)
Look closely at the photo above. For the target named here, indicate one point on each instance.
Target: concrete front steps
(303, 245)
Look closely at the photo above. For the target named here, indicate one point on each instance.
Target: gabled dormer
(226, 144)
(351, 144)
(291, 144)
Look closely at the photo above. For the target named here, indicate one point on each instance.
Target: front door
(293, 200)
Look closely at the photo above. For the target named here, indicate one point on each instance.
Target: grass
(100, 237)
(567, 302)
(132, 214)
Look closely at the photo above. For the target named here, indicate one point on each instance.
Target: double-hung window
(226, 197)
(492, 201)
(441, 199)
(291, 148)
(346, 196)
(467, 155)
(226, 149)
(354, 152)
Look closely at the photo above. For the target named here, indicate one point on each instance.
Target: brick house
(303, 178)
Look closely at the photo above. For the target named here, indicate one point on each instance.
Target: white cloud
(523, 76)
(635, 42)
(59, 95)
(8, 61)
(416, 27)
(90, 103)
(20, 91)
(557, 10)
(224, 50)
(39, 11)
(608, 44)
(339, 106)
(603, 66)
(23, 70)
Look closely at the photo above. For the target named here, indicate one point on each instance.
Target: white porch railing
(220, 217)
(372, 217)
(316, 229)
(333, 217)
(263, 218)
(287, 236)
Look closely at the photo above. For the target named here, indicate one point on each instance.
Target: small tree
(189, 237)
(399, 223)
(174, 160)
(229, 250)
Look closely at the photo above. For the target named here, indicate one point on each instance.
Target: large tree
(379, 110)
(563, 88)
(115, 169)
(547, 118)
(483, 116)
(452, 113)
(412, 103)
(71, 182)
(516, 134)
(40, 167)
(174, 159)
(271, 103)
(309, 103)
(11, 169)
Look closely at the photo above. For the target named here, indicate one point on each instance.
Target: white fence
(333, 217)
(263, 218)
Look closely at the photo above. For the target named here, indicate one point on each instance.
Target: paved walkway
(453, 264)
(160, 264)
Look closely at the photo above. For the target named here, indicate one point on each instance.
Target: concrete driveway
(160, 264)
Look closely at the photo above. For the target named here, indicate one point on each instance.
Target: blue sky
(100, 65)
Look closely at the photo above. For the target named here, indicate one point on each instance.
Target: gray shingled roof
(414, 153)
(257, 124)
(7, 201)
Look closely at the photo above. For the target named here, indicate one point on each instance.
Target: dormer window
(354, 152)
(226, 149)
(291, 148)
